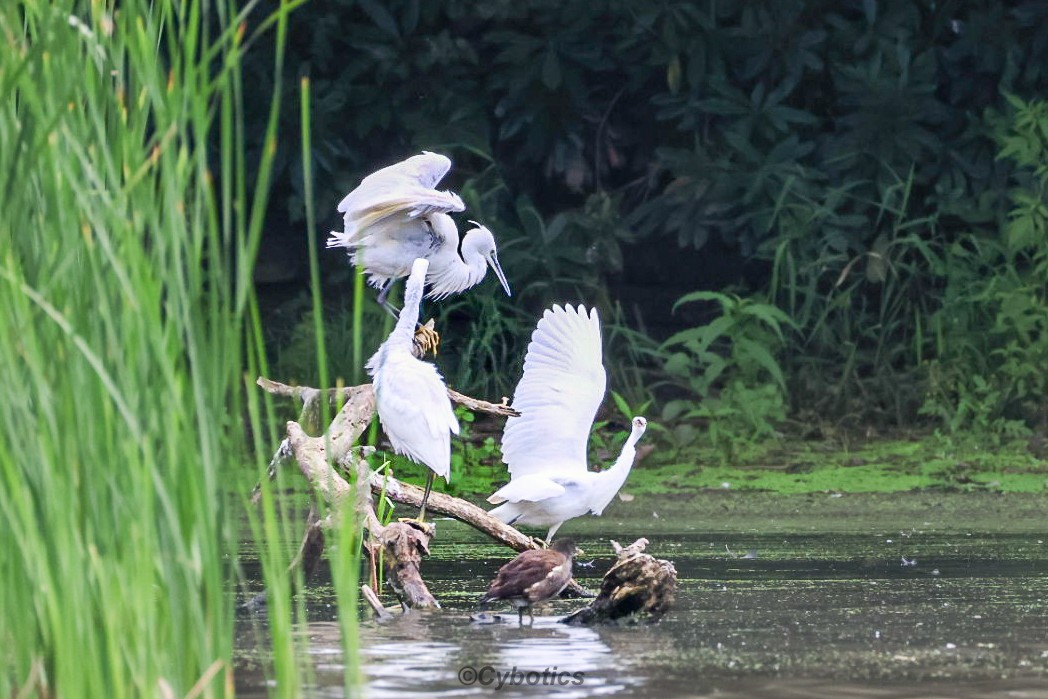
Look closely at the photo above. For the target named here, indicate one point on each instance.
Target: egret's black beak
(493, 261)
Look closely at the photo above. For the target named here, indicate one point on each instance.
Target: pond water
(917, 595)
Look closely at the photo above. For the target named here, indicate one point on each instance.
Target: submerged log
(638, 587)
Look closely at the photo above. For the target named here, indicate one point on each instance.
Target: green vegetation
(866, 183)
(878, 465)
(131, 219)
(730, 374)
(830, 462)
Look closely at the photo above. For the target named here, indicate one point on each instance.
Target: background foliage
(874, 170)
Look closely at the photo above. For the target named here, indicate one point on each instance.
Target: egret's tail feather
(340, 239)
(507, 513)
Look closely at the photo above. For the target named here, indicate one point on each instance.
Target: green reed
(129, 338)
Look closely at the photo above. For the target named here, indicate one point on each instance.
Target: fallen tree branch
(375, 603)
(466, 512)
(441, 503)
(403, 543)
(348, 393)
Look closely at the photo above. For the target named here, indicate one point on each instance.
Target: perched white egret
(410, 396)
(545, 448)
(396, 215)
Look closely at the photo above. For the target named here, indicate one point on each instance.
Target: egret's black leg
(425, 497)
(383, 296)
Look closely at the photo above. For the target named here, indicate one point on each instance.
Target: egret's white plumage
(410, 397)
(406, 189)
(545, 448)
(395, 215)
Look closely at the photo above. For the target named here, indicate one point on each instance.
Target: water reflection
(445, 655)
(817, 613)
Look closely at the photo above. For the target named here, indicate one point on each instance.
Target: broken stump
(639, 587)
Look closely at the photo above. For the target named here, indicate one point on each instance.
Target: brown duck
(533, 576)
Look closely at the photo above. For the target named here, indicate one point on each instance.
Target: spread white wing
(405, 189)
(558, 396)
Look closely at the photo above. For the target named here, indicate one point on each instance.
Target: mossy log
(638, 587)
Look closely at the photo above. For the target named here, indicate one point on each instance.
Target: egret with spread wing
(395, 215)
(545, 448)
(410, 396)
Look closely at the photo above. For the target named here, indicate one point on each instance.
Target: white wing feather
(405, 189)
(533, 488)
(558, 396)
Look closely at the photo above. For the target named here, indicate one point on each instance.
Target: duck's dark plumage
(533, 576)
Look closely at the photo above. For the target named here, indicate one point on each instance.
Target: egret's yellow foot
(426, 338)
(417, 524)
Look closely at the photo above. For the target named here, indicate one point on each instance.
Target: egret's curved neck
(457, 273)
(474, 265)
(608, 483)
(408, 318)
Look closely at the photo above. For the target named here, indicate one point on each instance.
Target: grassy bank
(844, 463)
(872, 465)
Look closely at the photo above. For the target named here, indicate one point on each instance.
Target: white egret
(410, 396)
(545, 448)
(395, 216)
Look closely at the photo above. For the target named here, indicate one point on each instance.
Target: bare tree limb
(349, 393)
(466, 512)
(404, 543)
(374, 602)
(476, 517)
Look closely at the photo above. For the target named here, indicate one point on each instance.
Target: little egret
(545, 448)
(410, 396)
(395, 216)
(532, 577)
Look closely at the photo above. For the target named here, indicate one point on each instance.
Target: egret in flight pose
(410, 396)
(396, 215)
(545, 448)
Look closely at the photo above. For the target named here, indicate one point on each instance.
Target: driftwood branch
(404, 544)
(374, 602)
(463, 511)
(349, 393)
(637, 587)
(476, 517)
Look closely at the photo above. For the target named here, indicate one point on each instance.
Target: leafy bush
(992, 329)
(843, 155)
(729, 370)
